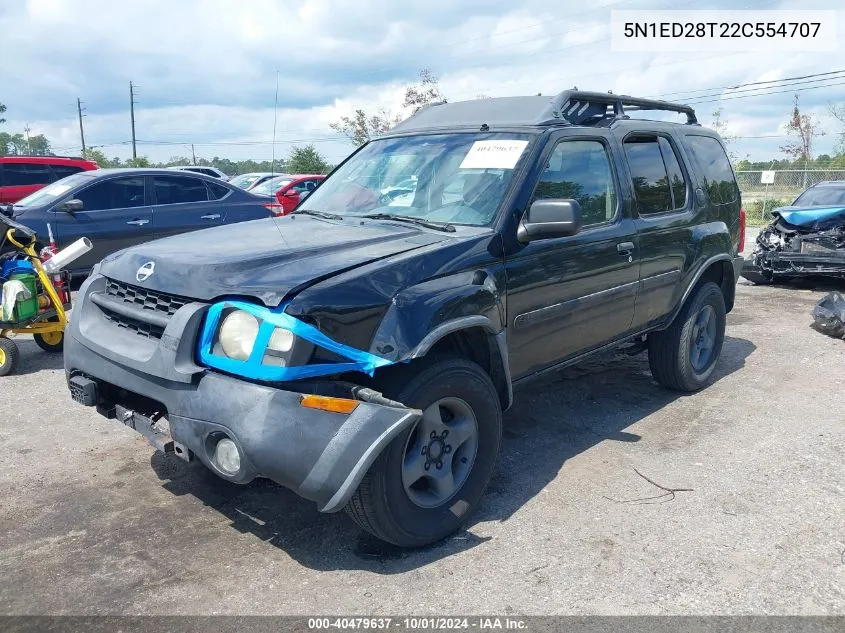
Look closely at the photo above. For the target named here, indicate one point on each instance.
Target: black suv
(361, 350)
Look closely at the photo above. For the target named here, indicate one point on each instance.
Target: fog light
(227, 456)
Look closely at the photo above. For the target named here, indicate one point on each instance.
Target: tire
(677, 355)
(52, 342)
(390, 502)
(9, 356)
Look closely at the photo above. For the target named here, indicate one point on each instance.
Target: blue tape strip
(271, 319)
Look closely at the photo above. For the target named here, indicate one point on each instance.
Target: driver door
(115, 215)
(567, 295)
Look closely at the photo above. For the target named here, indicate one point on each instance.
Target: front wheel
(683, 356)
(428, 481)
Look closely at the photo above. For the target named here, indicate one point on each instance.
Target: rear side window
(716, 168)
(117, 193)
(25, 174)
(676, 175)
(216, 191)
(62, 171)
(580, 170)
(648, 175)
(179, 189)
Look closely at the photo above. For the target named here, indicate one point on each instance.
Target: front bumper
(793, 264)
(322, 456)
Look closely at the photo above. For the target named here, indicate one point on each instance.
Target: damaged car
(362, 353)
(805, 239)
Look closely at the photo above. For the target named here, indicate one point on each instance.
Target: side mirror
(293, 194)
(549, 218)
(71, 206)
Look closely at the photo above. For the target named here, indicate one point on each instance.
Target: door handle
(625, 248)
(138, 222)
(210, 216)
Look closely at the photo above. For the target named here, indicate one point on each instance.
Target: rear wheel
(9, 356)
(52, 342)
(428, 481)
(683, 356)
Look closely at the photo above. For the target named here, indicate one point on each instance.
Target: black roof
(570, 107)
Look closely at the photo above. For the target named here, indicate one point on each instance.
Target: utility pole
(28, 148)
(193, 153)
(132, 115)
(81, 130)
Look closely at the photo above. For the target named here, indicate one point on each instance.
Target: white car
(200, 169)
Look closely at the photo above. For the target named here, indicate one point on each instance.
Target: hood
(814, 218)
(267, 259)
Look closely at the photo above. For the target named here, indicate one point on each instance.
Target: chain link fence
(759, 198)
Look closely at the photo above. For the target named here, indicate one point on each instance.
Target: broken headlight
(239, 332)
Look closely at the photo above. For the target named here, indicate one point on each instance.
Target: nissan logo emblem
(145, 271)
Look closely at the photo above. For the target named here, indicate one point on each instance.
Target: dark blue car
(116, 208)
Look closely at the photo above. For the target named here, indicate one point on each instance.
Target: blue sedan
(117, 208)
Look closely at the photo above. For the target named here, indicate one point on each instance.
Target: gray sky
(206, 69)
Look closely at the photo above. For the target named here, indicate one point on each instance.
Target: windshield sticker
(493, 155)
(57, 190)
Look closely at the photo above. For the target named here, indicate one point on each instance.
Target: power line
(751, 83)
(782, 83)
(763, 94)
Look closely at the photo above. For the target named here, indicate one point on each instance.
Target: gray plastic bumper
(320, 455)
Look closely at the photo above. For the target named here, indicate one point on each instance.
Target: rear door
(568, 295)
(115, 214)
(183, 203)
(19, 179)
(665, 213)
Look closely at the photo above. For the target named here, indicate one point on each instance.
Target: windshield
(245, 180)
(454, 178)
(822, 197)
(270, 187)
(49, 194)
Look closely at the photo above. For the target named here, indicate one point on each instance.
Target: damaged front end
(796, 245)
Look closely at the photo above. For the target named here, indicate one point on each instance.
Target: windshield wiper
(437, 226)
(318, 214)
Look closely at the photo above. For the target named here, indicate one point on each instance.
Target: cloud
(206, 69)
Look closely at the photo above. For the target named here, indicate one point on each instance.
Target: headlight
(237, 334)
(237, 338)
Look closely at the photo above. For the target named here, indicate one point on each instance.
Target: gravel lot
(93, 522)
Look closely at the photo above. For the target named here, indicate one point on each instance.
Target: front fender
(421, 315)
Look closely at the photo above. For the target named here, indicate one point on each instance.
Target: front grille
(140, 302)
(147, 330)
(146, 299)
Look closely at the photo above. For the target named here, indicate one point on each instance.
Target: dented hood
(816, 218)
(265, 259)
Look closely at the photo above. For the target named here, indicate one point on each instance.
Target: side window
(648, 175)
(676, 174)
(216, 191)
(716, 168)
(117, 193)
(23, 174)
(62, 171)
(580, 170)
(179, 189)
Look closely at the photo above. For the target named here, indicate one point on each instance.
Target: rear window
(716, 168)
(63, 171)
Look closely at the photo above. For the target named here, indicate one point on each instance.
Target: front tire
(683, 356)
(430, 479)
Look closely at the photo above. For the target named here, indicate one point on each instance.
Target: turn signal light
(326, 403)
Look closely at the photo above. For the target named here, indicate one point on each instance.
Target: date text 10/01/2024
(418, 623)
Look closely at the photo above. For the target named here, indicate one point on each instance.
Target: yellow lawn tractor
(35, 295)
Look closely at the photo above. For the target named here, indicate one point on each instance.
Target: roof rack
(580, 107)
